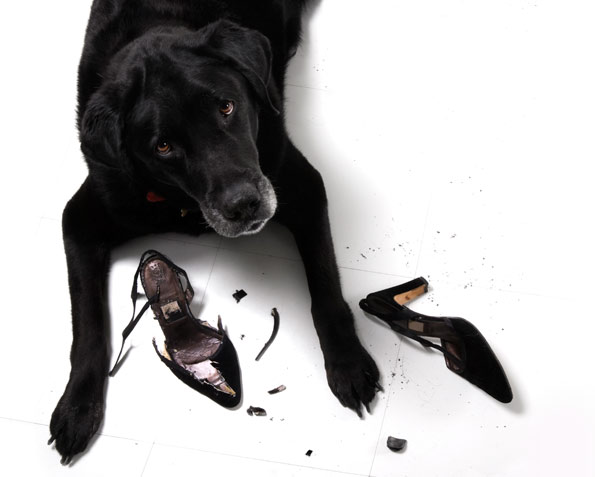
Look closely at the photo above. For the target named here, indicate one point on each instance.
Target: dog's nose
(240, 201)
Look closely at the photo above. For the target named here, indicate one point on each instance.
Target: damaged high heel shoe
(200, 355)
(466, 351)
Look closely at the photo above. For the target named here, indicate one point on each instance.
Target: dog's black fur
(183, 101)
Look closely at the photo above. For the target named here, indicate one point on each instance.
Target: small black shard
(278, 389)
(256, 411)
(238, 295)
(396, 444)
(309, 452)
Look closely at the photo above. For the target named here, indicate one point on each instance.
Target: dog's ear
(247, 51)
(102, 123)
(101, 127)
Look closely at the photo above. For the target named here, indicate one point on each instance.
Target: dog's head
(180, 110)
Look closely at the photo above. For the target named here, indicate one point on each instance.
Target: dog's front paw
(74, 422)
(353, 377)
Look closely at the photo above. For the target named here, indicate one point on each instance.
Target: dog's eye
(226, 107)
(163, 148)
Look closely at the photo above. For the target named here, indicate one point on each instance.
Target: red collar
(153, 197)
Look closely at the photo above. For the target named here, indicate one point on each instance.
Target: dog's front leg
(80, 409)
(351, 372)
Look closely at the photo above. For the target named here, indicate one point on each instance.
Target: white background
(456, 141)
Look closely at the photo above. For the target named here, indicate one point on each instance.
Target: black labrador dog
(180, 115)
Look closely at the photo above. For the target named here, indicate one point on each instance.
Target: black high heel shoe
(200, 355)
(466, 351)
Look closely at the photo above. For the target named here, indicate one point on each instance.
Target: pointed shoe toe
(482, 367)
(225, 386)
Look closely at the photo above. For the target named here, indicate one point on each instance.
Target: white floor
(456, 139)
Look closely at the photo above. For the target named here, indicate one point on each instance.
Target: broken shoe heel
(466, 352)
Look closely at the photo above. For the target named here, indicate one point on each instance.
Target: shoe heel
(406, 292)
(403, 293)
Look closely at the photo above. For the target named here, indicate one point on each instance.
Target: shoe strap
(393, 313)
(134, 297)
(428, 344)
(131, 325)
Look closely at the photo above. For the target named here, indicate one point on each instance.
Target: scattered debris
(278, 389)
(309, 452)
(239, 294)
(275, 316)
(396, 444)
(242, 336)
(256, 411)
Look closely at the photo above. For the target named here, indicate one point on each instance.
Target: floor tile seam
(392, 381)
(256, 459)
(40, 219)
(204, 291)
(147, 459)
(189, 242)
(552, 296)
(293, 85)
(377, 272)
(43, 217)
(46, 425)
(125, 438)
(23, 421)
